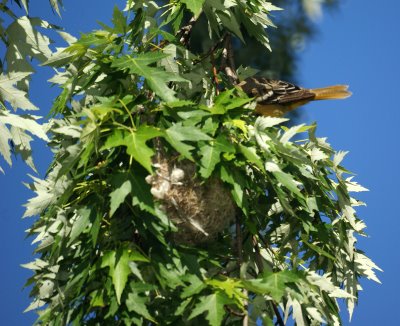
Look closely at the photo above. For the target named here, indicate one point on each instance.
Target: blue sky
(357, 45)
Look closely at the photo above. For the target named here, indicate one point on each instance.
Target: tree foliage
(134, 95)
(23, 41)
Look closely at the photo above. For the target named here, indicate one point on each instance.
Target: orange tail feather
(331, 92)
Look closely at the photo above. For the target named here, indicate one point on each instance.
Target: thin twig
(231, 61)
(260, 266)
(239, 241)
(211, 50)
(183, 34)
(215, 74)
(279, 319)
(234, 312)
(259, 262)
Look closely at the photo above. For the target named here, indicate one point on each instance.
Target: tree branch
(185, 32)
(212, 50)
(227, 62)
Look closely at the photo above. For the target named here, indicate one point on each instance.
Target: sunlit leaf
(16, 97)
(213, 306)
(194, 6)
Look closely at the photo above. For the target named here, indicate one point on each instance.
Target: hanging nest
(199, 209)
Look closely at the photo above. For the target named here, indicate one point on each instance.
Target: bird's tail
(331, 92)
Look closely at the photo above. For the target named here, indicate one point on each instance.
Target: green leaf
(288, 181)
(118, 269)
(95, 219)
(251, 155)
(229, 21)
(213, 305)
(54, 4)
(182, 307)
(141, 194)
(120, 273)
(135, 141)
(135, 270)
(25, 4)
(156, 78)
(8, 92)
(225, 101)
(79, 224)
(118, 263)
(224, 145)
(177, 133)
(137, 303)
(5, 149)
(136, 144)
(210, 156)
(195, 6)
(317, 154)
(196, 286)
(119, 21)
(237, 191)
(169, 277)
(180, 103)
(338, 157)
(59, 59)
(232, 288)
(316, 248)
(97, 298)
(137, 64)
(23, 122)
(273, 284)
(24, 43)
(118, 196)
(43, 198)
(169, 63)
(290, 133)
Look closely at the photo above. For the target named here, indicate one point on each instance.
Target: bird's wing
(269, 91)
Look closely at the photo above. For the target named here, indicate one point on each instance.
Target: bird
(276, 97)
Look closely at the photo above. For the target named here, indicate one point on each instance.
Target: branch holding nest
(228, 62)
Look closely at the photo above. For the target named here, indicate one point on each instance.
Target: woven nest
(199, 209)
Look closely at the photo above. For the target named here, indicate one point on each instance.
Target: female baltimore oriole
(277, 97)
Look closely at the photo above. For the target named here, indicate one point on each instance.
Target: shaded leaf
(196, 286)
(137, 303)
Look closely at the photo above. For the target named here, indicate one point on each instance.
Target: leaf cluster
(24, 41)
